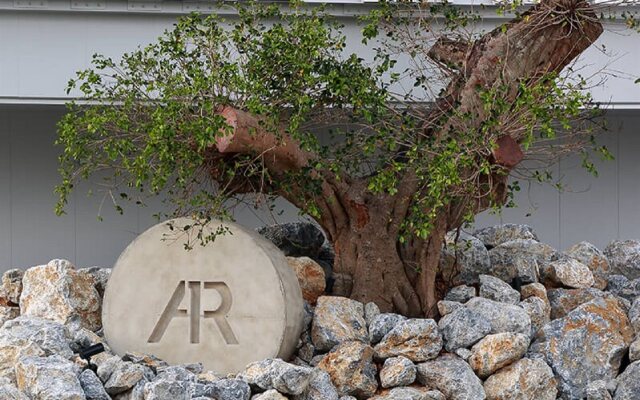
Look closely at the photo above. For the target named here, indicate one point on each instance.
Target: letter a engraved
(171, 310)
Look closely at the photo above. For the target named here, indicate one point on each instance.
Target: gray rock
(570, 273)
(628, 383)
(49, 378)
(11, 287)
(92, 386)
(350, 366)
(594, 259)
(586, 345)
(461, 293)
(320, 387)
(463, 328)
(463, 261)
(451, 376)
(521, 258)
(337, 320)
(124, 376)
(382, 324)
(498, 290)
(371, 311)
(276, 374)
(447, 307)
(501, 316)
(295, 239)
(397, 371)
(624, 258)
(228, 389)
(493, 236)
(597, 390)
(166, 390)
(526, 379)
(417, 339)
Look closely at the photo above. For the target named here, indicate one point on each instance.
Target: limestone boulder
(452, 376)
(463, 328)
(502, 317)
(460, 293)
(320, 387)
(588, 344)
(493, 236)
(382, 324)
(520, 258)
(628, 383)
(49, 378)
(337, 320)
(624, 258)
(310, 277)
(416, 339)
(464, 259)
(526, 379)
(11, 287)
(351, 368)
(570, 273)
(276, 374)
(594, 259)
(57, 291)
(397, 371)
(498, 290)
(496, 351)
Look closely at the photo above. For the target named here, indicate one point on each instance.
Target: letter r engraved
(171, 310)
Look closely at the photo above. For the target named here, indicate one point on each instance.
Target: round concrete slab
(225, 304)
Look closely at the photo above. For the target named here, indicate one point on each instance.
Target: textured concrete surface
(225, 304)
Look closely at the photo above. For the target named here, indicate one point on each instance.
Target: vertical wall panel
(5, 194)
(589, 204)
(38, 235)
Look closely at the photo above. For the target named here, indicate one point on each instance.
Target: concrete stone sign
(225, 304)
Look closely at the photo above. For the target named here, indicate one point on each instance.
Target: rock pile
(567, 329)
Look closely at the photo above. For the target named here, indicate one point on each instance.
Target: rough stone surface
(502, 317)
(451, 376)
(521, 258)
(586, 345)
(194, 306)
(92, 386)
(310, 277)
(11, 287)
(597, 390)
(463, 328)
(570, 273)
(49, 378)
(417, 339)
(276, 374)
(628, 383)
(594, 259)
(526, 379)
(624, 258)
(397, 371)
(493, 236)
(382, 324)
(463, 261)
(496, 351)
(447, 307)
(351, 369)
(337, 319)
(295, 239)
(320, 387)
(461, 293)
(57, 291)
(498, 290)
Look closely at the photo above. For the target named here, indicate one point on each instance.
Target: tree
(216, 111)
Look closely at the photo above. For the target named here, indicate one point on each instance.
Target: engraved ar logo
(172, 310)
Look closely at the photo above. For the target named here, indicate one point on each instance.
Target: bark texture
(370, 264)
